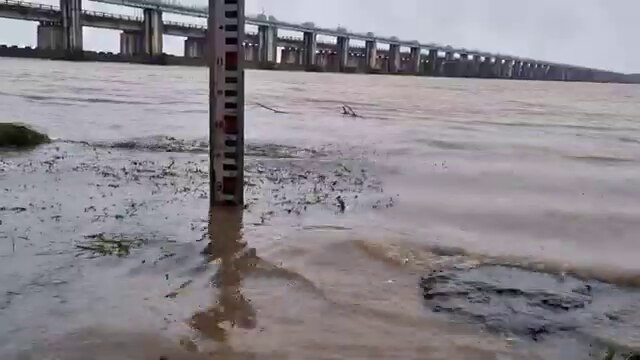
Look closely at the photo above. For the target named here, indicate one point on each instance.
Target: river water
(108, 249)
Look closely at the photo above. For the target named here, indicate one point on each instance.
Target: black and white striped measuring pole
(225, 37)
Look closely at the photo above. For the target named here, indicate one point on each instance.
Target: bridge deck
(40, 12)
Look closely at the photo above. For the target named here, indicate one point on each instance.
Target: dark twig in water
(348, 110)
(270, 108)
(105, 245)
(341, 204)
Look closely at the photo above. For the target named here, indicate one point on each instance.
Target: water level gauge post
(225, 38)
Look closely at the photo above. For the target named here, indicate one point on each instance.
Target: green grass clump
(20, 136)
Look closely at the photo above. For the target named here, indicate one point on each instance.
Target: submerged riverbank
(121, 231)
(439, 224)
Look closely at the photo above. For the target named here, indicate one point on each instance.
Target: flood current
(451, 219)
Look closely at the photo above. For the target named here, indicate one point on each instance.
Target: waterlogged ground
(454, 219)
(119, 216)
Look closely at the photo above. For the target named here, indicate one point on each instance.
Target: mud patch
(20, 136)
(536, 306)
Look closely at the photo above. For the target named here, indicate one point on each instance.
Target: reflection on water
(228, 249)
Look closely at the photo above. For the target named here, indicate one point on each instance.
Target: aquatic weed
(108, 245)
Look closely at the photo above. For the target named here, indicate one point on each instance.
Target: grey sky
(599, 33)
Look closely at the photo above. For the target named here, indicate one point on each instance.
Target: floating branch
(348, 111)
(271, 109)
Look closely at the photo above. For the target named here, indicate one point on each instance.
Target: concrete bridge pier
(50, 37)
(524, 72)
(589, 75)
(551, 73)
(432, 63)
(547, 71)
(555, 73)
(194, 47)
(250, 52)
(507, 68)
(414, 61)
(486, 70)
(310, 48)
(474, 66)
(371, 55)
(71, 11)
(405, 62)
(356, 61)
(515, 70)
(301, 56)
(463, 65)
(448, 65)
(322, 59)
(395, 63)
(335, 62)
(574, 74)
(267, 44)
(132, 43)
(497, 68)
(529, 71)
(542, 71)
(439, 66)
(532, 71)
(382, 63)
(343, 53)
(289, 55)
(153, 32)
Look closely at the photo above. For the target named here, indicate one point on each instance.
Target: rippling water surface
(483, 219)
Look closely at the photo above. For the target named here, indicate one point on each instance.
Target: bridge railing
(185, 25)
(112, 16)
(102, 14)
(29, 4)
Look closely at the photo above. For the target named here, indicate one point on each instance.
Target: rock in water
(20, 136)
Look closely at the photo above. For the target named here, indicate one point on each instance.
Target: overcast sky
(598, 33)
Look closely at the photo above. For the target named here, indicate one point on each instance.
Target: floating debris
(270, 108)
(348, 111)
(108, 245)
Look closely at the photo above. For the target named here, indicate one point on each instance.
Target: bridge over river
(59, 34)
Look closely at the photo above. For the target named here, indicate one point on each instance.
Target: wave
(437, 258)
(533, 299)
(629, 140)
(600, 159)
(163, 143)
(68, 99)
(548, 125)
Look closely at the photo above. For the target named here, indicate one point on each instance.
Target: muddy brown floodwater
(454, 219)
